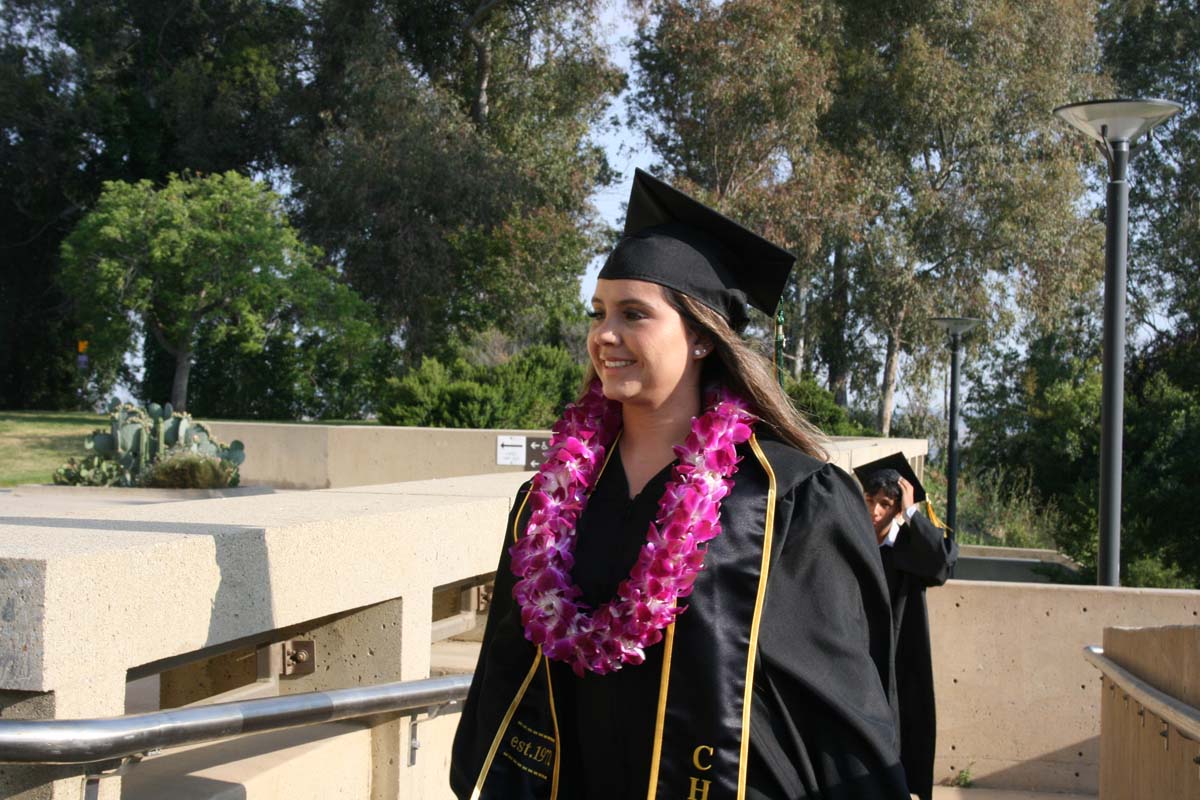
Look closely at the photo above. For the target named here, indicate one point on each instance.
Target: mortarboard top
(897, 462)
(678, 242)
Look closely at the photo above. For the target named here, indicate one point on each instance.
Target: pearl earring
(699, 351)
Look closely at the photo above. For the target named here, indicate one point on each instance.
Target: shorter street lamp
(1114, 125)
(956, 327)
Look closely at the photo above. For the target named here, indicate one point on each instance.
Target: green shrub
(818, 405)
(998, 508)
(1152, 571)
(186, 469)
(527, 391)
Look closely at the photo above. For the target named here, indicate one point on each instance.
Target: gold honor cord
(520, 511)
(557, 738)
(768, 532)
(512, 709)
(660, 715)
(612, 448)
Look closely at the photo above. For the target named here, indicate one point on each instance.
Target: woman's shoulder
(794, 468)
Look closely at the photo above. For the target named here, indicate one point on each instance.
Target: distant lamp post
(956, 327)
(1114, 125)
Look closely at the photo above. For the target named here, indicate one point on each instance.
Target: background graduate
(689, 602)
(916, 554)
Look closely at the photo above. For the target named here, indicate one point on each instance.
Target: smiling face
(640, 346)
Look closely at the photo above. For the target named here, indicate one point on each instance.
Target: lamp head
(1108, 121)
(958, 325)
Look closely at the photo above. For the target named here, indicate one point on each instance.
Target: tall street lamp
(1114, 125)
(956, 327)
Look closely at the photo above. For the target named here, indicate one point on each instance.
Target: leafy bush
(998, 508)
(1039, 412)
(527, 391)
(186, 469)
(819, 406)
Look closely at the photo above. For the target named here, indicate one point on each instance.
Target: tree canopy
(906, 152)
(207, 252)
(442, 162)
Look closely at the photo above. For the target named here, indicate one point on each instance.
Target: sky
(626, 149)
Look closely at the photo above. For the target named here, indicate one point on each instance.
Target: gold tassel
(934, 519)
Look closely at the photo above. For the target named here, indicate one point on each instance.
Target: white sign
(510, 451)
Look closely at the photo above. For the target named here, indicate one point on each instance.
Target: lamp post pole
(1114, 125)
(952, 455)
(1112, 404)
(956, 327)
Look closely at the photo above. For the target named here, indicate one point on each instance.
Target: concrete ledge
(1010, 564)
(132, 493)
(293, 456)
(1026, 553)
(98, 591)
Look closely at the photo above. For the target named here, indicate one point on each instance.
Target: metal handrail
(1175, 712)
(84, 741)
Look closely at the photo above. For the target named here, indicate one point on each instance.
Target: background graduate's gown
(820, 722)
(922, 556)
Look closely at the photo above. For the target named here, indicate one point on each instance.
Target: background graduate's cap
(897, 462)
(678, 242)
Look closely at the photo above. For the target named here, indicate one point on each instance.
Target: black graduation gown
(922, 556)
(775, 688)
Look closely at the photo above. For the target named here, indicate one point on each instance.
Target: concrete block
(322, 762)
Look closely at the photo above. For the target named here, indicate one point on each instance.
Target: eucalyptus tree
(730, 96)
(444, 160)
(977, 193)
(1152, 49)
(904, 150)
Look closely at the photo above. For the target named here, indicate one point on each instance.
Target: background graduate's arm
(922, 549)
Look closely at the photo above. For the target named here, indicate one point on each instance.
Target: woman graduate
(689, 603)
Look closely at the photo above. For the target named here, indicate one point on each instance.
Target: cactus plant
(138, 438)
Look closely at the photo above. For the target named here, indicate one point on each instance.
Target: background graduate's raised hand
(907, 495)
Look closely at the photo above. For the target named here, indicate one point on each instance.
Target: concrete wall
(292, 456)
(1017, 704)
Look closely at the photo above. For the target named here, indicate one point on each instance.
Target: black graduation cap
(678, 242)
(897, 462)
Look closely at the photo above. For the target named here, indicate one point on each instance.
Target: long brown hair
(738, 366)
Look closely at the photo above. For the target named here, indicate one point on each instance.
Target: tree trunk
(183, 368)
(887, 395)
(800, 349)
(482, 42)
(837, 350)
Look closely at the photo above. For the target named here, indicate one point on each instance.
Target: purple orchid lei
(618, 632)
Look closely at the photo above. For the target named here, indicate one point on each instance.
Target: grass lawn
(35, 443)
